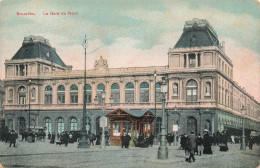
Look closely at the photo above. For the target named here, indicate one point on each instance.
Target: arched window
(208, 125)
(191, 90)
(33, 123)
(129, 92)
(48, 95)
(10, 124)
(207, 89)
(73, 124)
(61, 94)
(158, 92)
(48, 125)
(60, 125)
(88, 93)
(73, 94)
(115, 93)
(10, 95)
(100, 89)
(22, 95)
(191, 125)
(144, 92)
(175, 90)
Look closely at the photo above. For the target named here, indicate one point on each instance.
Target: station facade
(201, 91)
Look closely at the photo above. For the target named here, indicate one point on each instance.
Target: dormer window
(48, 54)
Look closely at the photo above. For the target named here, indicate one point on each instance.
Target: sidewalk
(38, 148)
(176, 155)
(146, 154)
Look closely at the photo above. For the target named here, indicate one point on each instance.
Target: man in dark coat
(251, 142)
(52, 138)
(65, 138)
(13, 137)
(207, 143)
(191, 146)
(127, 140)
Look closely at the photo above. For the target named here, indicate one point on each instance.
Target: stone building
(201, 91)
(2, 96)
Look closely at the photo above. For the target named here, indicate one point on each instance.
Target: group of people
(201, 144)
(96, 139)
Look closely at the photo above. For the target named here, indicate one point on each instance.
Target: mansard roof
(197, 33)
(38, 47)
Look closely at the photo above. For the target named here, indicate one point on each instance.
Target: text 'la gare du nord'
(48, 13)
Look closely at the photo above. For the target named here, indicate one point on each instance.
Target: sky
(133, 33)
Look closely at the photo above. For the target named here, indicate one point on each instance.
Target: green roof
(38, 49)
(197, 33)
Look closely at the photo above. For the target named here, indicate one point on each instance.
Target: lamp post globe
(163, 150)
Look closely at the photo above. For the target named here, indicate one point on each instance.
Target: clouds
(132, 33)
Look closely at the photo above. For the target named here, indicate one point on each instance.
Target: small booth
(131, 122)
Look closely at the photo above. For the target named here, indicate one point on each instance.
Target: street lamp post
(163, 150)
(155, 141)
(84, 141)
(243, 144)
(103, 144)
(29, 138)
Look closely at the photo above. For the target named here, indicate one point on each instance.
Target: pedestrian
(191, 146)
(200, 145)
(123, 140)
(127, 140)
(91, 138)
(65, 138)
(49, 136)
(52, 138)
(13, 137)
(207, 142)
(251, 142)
(223, 142)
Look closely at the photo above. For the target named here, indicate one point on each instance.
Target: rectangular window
(116, 128)
(115, 95)
(74, 98)
(198, 60)
(192, 60)
(185, 61)
(129, 96)
(144, 95)
(61, 98)
(158, 95)
(48, 99)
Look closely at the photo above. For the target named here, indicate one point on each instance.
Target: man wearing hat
(191, 146)
(13, 137)
(207, 141)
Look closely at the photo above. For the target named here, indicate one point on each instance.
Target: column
(93, 92)
(151, 91)
(212, 124)
(80, 92)
(108, 91)
(187, 61)
(67, 93)
(122, 92)
(136, 92)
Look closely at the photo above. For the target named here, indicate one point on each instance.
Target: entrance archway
(191, 125)
(21, 124)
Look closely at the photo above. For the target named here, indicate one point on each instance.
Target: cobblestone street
(43, 154)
